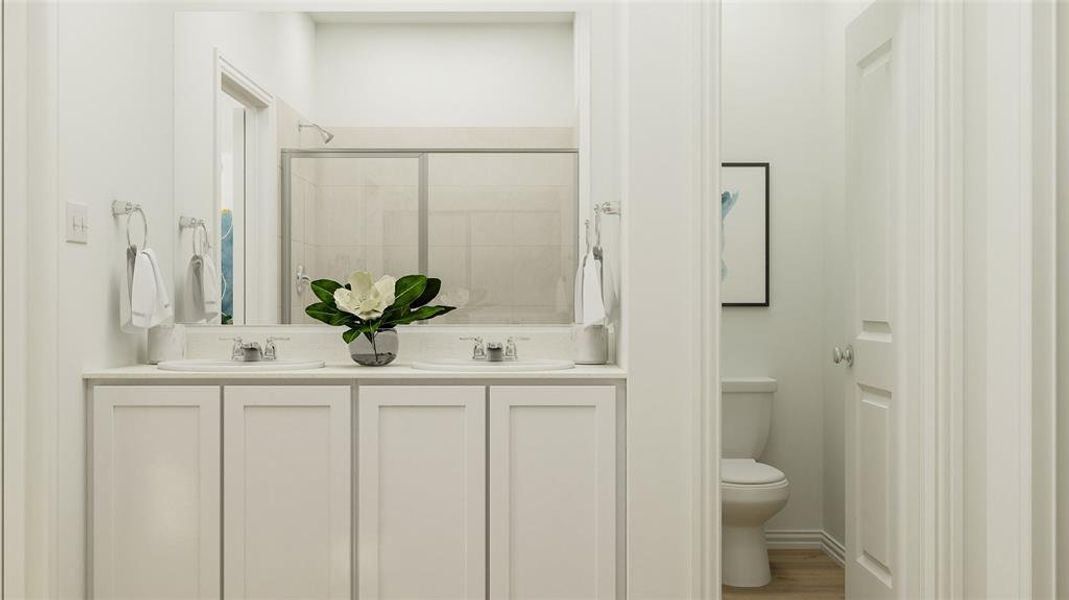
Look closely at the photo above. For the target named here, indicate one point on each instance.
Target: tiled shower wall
(502, 229)
(502, 235)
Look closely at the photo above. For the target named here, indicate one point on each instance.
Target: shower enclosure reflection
(499, 227)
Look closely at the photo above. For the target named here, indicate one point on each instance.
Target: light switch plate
(77, 223)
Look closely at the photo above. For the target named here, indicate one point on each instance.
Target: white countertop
(352, 372)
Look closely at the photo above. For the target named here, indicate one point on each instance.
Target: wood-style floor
(797, 575)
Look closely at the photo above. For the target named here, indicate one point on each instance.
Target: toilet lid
(748, 471)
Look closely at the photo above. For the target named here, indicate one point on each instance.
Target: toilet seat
(748, 472)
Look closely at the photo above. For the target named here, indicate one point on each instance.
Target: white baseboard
(816, 539)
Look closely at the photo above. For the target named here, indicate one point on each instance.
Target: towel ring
(205, 245)
(199, 226)
(144, 227)
(119, 208)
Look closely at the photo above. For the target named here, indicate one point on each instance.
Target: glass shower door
(347, 212)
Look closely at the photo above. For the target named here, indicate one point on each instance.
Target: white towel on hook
(143, 293)
(125, 313)
(592, 311)
(164, 311)
(204, 286)
(150, 304)
(608, 289)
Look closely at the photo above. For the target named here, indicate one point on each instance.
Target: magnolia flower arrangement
(364, 306)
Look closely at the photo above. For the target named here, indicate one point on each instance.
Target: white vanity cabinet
(155, 492)
(553, 493)
(422, 491)
(451, 488)
(263, 473)
(551, 455)
(287, 464)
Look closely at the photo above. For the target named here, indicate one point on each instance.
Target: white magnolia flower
(366, 300)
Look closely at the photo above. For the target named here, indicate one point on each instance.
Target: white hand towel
(190, 306)
(127, 276)
(143, 293)
(593, 302)
(163, 310)
(579, 289)
(209, 288)
(608, 290)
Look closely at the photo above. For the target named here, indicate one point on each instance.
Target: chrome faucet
(243, 351)
(495, 351)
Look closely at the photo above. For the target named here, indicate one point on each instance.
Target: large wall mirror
(311, 145)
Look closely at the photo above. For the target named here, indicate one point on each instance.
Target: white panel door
(286, 492)
(875, 178)
(422, 492)
(155, 492)
(553, 492)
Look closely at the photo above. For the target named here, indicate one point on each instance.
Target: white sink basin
(468, 365)
(211, 365)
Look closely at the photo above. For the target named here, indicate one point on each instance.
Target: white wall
(112, 103)
(444, 75)
(662, 137)
(773, 111)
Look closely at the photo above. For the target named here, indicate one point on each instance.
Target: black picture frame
(768, 262)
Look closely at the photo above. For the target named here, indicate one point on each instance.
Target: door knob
(839, 355)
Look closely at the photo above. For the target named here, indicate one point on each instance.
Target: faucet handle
(270, 350)
(511, 351)
(479, 350)
(237, 352)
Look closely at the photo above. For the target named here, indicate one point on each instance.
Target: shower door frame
(287, 276)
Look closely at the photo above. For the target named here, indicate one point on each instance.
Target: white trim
(708, 514)
(1062, 315)
(814, 539)
(1044, 302)
(240, 85)
(998, 433)
(42, 575)
(949, 315)
(258, 232)
(833, 548)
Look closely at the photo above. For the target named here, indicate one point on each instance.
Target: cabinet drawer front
(422, 492)
(287, 491)
(155, 491)
(553, 492)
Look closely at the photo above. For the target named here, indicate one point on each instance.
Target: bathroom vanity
(350, 482)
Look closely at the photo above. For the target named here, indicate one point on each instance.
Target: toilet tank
(746, 415)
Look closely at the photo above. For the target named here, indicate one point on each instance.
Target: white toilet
(750, 492)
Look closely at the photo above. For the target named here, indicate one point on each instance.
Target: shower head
(327, 136)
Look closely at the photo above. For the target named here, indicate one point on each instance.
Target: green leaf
(324, 289)
(327, 313)
(350, 335)
(391, 314)
(434, 285)
(423, 313)
(408, 288)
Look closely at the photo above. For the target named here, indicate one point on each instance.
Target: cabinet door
(422, 492)
(286, 492)
(155, 492)
(553, 492)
